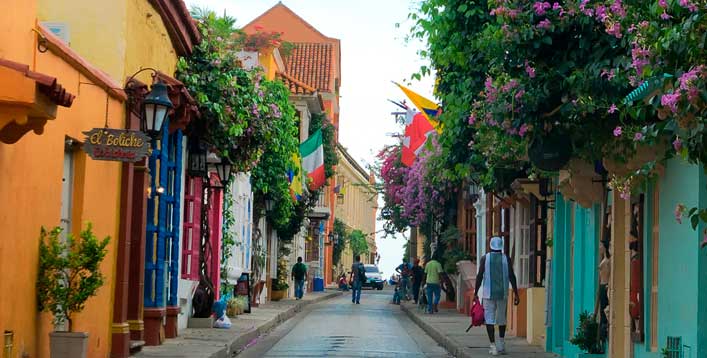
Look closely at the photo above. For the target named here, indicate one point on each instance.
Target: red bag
(477, 314)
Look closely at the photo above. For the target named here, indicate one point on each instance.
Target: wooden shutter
(192, 228)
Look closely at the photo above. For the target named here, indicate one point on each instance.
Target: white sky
(373, 53)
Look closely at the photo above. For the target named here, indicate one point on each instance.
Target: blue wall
(681, 287)
(584, 276)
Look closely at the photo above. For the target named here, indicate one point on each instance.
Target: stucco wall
(97, 30)
(31, 197)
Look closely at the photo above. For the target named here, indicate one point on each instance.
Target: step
(136, 346)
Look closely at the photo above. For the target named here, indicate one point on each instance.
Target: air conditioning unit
(60, 29)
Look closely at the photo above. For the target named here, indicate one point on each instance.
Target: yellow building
(357, 205)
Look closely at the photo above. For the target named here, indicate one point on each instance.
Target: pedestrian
(405, 271)
(299, 274)
(433, 270)
(357, 276)
(417, 276)
(495, 272)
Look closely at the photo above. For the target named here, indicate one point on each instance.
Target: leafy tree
(357, 242)
(69, 271)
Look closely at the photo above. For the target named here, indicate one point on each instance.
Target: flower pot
(68, 344)
(550, 152)
(278, 295)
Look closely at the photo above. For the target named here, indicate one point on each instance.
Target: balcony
(321, 210)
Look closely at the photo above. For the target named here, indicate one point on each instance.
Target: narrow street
(338, 328)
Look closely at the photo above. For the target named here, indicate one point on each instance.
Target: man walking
(495, 272)
(356, 277)
(433, 269)
(299, 274)
(417, 276)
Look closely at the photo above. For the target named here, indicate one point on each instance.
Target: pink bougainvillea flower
(625, 194)
(614, 29)
(523, 130)
(600, 12)
(541, 7)
(688, 5)
(545, 24)
(472, 118)
(613, 108)
(529, 70)
(556, 6)
(679, 212)
(586, 10)
(520, 94)
(617, 9)
(670, 100)
(610, 74)
(638, 137)
(677, 144)
(663, 4)
(665, 16)
(617, 132)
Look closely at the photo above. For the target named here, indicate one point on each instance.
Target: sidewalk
(246, 328)
(447, 328)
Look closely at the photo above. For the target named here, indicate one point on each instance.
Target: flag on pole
(312, 151)
(416, 134)
(427, 107)
(295, 177)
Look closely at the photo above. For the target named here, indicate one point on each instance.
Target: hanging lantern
(223, 170)
(198, 167)
(156, 106)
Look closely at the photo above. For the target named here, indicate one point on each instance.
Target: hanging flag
(416, 134)
(428, 108)
(312, 152)
(294, 175)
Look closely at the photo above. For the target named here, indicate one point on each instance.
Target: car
(374, 278)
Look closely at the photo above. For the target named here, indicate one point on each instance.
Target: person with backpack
(357, 278)
(495, 273)
(299, 274)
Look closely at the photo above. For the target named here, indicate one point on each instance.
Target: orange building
(49, 95)
(316, 62)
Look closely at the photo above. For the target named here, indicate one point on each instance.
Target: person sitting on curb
(495, 272)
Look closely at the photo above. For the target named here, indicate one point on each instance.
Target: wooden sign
(122, 145)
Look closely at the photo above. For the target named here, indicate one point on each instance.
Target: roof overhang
(27, 100)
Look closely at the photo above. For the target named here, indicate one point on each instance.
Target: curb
(244, 339)
(454, 349)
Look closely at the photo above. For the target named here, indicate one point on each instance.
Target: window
(636, 244)
(538, 241)
(521, 251)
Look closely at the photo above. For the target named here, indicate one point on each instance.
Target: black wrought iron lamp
(198, 166)
(223, 170)
(156, 106)
(474, 191)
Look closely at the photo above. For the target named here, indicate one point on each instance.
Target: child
(396, 296)
(343, 285)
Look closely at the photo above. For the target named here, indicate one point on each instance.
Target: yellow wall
(15, 15)
(147, 42)
(535, 330)
(97, 30)
(30, 194)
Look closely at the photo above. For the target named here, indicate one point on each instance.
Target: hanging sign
(122, 145)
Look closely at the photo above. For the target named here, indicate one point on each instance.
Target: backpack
(361, 273)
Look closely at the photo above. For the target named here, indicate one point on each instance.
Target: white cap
(496, 243)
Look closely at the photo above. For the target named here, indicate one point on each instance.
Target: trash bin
(318, 284)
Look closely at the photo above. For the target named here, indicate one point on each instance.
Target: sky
(373, 53)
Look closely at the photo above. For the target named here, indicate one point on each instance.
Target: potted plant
(279, 284)
(587, 336)
(68, 275)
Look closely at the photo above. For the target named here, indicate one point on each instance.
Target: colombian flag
(428, 108)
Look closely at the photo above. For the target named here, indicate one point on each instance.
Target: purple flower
(586, 10)
(472, 118)
(541, 7)
(663, 4)
(638, 137)
(529, 69)
(670, 100)
(688, 78)
(556, 6)
(614, 29)
(260, 94)
(608, 74)
(617, 9)
(523, 129)
(275, 110)
(617, 132)
(545, 24)
(677, 144)
(688, 5)
(612, 109)
(520, 94)
(665, 16)
(600, 12)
